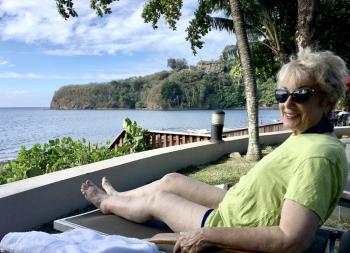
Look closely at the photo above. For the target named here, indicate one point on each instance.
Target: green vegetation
(136, 138)
(177, 64)
(209, 85)
(65, 153)
(179, 89)
(338, 223)
(226, 170)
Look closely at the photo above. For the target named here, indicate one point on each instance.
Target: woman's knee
(171, 177)
(170, 180)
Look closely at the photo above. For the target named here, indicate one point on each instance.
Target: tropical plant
(62, 153)
(254, 151)
(306, 32)
(280, 25)
(136, 137)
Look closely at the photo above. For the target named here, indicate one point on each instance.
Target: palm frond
(221, 24)
(220, 5)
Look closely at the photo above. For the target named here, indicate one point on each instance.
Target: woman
(279, 205)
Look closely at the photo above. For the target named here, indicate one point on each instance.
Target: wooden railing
(157, 139)
(262, 129)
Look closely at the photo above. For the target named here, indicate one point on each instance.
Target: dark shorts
(205, 216)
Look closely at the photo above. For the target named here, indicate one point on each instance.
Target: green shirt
(310, 169)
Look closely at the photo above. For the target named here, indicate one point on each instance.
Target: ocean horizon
(30, 125)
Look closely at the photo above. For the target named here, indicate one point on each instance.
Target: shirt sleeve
(313, 186)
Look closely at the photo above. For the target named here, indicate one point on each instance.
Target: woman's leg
(178, 213)
(185, 187)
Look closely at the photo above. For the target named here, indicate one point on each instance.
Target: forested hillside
(208, 85)
(164, 90)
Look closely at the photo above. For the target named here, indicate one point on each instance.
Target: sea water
(27, 126)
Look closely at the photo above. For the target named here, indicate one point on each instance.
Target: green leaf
(33, 172)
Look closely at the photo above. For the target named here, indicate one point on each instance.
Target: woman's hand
(192, 241)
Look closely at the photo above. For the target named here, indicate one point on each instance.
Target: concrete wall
(28, 203)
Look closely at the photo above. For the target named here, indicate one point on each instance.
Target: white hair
(323, 68)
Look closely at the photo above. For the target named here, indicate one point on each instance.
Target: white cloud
(20, 75)
(20, 92)
(124, 31)
(100, 76)
(6, 63)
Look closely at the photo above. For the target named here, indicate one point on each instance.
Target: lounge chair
(162, 235)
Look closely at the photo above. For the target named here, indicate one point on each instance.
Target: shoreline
(274, 107)
(160, 109)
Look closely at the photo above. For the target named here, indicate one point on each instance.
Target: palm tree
(264, 19)
(254, 151)
(306, 33)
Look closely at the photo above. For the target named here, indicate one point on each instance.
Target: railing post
(217, 125)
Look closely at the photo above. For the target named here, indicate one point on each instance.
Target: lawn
(226, 170)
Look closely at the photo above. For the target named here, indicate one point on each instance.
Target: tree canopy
(177, 64)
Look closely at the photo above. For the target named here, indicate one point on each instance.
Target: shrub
(63, 153)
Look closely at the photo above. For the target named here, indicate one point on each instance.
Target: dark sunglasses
(299, 96)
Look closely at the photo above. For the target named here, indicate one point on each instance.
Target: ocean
(28, 126)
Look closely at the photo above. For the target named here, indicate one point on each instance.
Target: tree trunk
(306, 33)
(254, 151)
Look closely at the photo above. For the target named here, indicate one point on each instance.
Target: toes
(107, 186)
(105, 180)
(84, 188)
(89, 183)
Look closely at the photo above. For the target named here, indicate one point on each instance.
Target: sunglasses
(299, 96)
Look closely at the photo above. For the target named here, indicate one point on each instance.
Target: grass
(229, 170)
(338, 223)
(226, 170)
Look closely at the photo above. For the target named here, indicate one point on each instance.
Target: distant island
(208, 85)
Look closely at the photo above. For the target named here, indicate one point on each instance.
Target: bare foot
(95, 195)
(106, 185)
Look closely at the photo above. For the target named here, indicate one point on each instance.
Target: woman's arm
(295, 233)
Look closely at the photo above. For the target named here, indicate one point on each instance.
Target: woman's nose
(289, 101)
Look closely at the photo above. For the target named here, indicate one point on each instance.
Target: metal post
(217, 126)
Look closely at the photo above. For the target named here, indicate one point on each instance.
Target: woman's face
(301, 116)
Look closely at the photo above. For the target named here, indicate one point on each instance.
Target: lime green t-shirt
(310, 169)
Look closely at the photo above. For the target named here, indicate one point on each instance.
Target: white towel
(74, 241)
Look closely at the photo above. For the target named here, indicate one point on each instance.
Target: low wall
(26, 204)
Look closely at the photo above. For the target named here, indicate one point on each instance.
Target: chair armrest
(171, 238)
(165, 238)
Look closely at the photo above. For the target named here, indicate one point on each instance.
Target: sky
(41, 52)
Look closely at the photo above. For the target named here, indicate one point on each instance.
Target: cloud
(20, 92)
(124, 31)
(6, 63)
(101, 76)
(20, 75)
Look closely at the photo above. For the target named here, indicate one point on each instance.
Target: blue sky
(40, 51)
